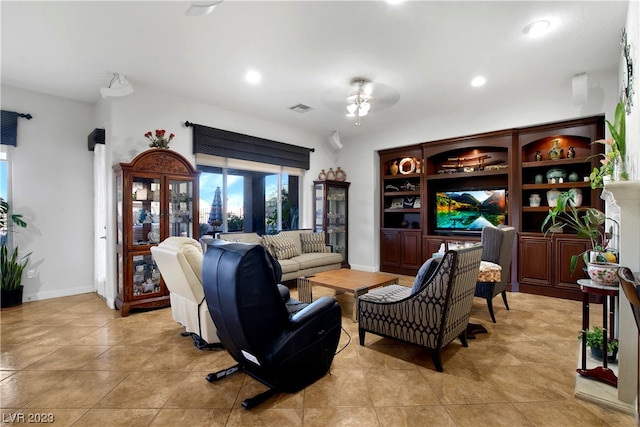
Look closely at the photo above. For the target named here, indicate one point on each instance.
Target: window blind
(223, 143)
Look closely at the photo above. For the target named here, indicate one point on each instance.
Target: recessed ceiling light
(478, 81)
(253, 77)
(537, 28)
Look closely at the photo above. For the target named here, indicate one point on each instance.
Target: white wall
(360, 160)
(52, 188)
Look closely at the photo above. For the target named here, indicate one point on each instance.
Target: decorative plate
(407, 165)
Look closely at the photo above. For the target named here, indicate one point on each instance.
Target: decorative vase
(11, 297)
(620, 169)
(331, 175)
(394, 168)
(534, 200)
(552, 198)
(538, 179)
(603, 272)
(340, 174)
(555, 152)
(554, 175)
(322, 176)
(573, 177)
(577, 197)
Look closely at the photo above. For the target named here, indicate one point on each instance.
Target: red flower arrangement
(159, 140)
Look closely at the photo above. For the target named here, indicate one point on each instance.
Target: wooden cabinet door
(565, 247)
(411, 250)
(390, 248)
(534, 260)
(430, 246)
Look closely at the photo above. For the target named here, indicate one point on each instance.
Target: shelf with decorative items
(552, 165)
(331, 208)
(555, 160)
(401, 188)
(156, 197)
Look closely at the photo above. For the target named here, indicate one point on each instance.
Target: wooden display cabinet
(401, 187)
(156, 197)
(331, 215)
(543, 261)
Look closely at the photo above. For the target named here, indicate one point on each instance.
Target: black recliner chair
(279, 341)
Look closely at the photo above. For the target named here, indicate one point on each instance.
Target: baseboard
(597, 392)
(56, 294)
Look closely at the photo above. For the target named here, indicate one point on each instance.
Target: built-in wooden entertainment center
(520, 163)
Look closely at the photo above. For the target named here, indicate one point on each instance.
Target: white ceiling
(309, 51)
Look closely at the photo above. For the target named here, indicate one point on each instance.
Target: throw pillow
(313, 242)
(280, 247)
(424, 274)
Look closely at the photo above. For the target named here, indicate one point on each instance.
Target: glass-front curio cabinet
(331, 213)
(156, 197)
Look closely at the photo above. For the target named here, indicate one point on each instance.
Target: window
(5, 173)
(238, 195)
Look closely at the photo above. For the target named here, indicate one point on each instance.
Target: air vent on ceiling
(300, 108)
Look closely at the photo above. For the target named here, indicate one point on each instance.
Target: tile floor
(77, 361)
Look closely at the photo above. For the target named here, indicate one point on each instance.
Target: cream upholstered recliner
(179, 260)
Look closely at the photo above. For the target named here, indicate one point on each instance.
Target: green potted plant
(614, 160)
(586, 222)
(11, 266)
(594, 342)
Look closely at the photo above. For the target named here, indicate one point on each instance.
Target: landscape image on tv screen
(470, 210)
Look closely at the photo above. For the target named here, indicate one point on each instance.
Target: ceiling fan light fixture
(358, 101)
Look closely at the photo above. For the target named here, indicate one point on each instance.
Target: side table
(610, 293)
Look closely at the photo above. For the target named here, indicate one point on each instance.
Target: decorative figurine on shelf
(331, 175)
(537, 179)
(394, 168)
(322, 176)
(555, 152)
(571, 153)
(573, 176)
(341, 175)
(538, 156)
(534, 200)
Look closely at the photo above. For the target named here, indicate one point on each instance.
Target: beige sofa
(299, 252)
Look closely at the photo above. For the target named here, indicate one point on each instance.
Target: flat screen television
(469, 211)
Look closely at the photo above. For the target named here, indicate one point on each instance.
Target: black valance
(218, 142)
(95, 137)
(9, 127)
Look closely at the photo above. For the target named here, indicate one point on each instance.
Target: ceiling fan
(360, 97)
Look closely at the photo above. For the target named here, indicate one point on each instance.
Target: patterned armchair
(497, 247)
(432, 313)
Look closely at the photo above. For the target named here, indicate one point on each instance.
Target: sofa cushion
(289, 266)
(317, 259)
(313, 242)
(280, 246)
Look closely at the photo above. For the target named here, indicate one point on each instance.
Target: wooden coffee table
(344, 280)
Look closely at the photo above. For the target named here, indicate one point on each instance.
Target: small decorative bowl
(556, 173)
(605, 273)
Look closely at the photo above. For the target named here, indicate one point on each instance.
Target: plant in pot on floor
(594, 341)
(11, 266)
(586, 222)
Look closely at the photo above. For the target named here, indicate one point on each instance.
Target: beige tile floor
(79, 362)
